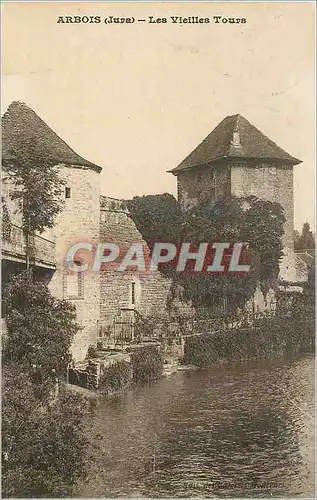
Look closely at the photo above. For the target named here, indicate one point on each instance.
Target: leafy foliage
(6, 222)
(268, 338)
(44, 435)
(43, 447)
(305, 240)
(116, 376)
(38, 186)
(40, 328)
(147, 364)
(256, 222)
(92, 352)
(157, 217)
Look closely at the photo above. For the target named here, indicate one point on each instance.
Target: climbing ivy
(6, 222)
(257, 222)
(157, 217)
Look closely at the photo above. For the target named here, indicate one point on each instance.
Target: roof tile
(235, 137)
(20, 123)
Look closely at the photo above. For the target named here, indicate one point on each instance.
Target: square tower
(237, 159)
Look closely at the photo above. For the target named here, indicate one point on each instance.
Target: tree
(40, 328)
(44, 448)
(38, 187)
(305, 240)
(44, 438)
(257, 222)
(157, 217)
(296, 238)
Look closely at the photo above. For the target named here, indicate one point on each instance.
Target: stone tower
(78, 222)
(237, 159)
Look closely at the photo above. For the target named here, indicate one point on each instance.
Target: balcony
(41, 250)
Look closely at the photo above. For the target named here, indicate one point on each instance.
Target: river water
(238, 431)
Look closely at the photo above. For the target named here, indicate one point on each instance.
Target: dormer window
(67, 192)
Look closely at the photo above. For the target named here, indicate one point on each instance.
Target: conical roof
(235, 137)
(21, 123)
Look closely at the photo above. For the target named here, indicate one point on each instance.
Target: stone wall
(271, 183)
(79, 222)
(268, 182)
(147, 292)
(193, 185)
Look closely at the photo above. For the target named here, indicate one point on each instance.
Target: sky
(137, 98)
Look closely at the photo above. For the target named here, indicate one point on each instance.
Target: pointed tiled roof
(21, 123)
(235, 137)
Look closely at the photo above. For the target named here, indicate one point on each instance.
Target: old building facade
(145, 292)
(234, 159)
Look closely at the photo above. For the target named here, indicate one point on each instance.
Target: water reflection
(241, 431)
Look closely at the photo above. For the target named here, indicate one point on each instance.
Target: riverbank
(270, 338)
(109, 373)
(109, 390)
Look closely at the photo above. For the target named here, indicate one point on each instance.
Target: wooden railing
(13, 246)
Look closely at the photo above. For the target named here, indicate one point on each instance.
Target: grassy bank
(147, 364)
(116, 377)
(269, 338)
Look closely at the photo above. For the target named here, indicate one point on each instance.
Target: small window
(74, 284)
(133, 293)
(67, 192)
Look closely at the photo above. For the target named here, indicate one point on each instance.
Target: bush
(40, 328)
(258, 222)
(116, 377)
(44, 435)
(269, 338)
(43, 447)
(92, 352)
(147, 364)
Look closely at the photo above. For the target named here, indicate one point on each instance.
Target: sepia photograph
(158, 249)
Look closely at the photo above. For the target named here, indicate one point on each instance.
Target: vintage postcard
(158, 249)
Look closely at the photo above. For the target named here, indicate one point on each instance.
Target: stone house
(235, 158)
